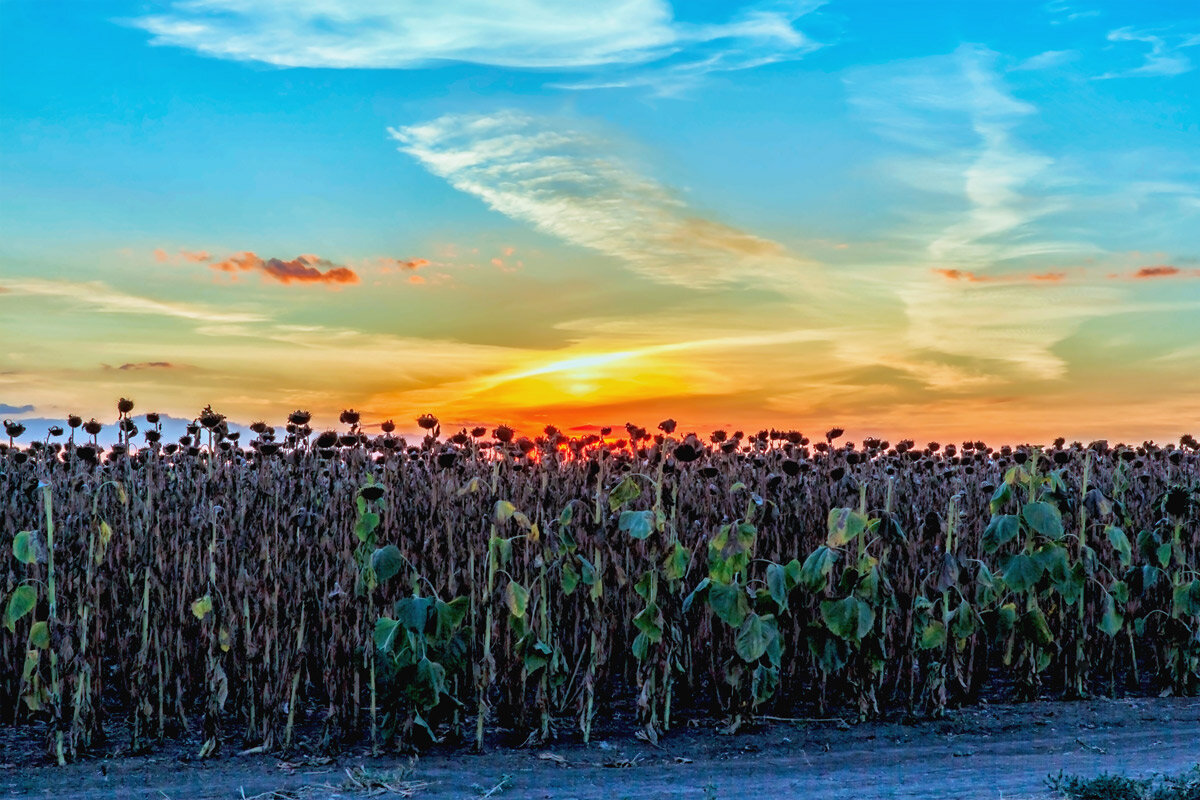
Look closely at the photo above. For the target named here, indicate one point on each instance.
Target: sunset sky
(933, 219)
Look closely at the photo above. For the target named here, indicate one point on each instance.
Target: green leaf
(1053, 560)
(564, 519)
(366, 525)
(1001, 496)
(1186, 598)
(933, 635)
(754, 636)
(793, 569)
(1071, 585)
(624, 492)
(815, 571)
(1021, 573)
(848, 618)
(1148, 544)
(588, 574)
(638, 524)
(777, 585)
(962, 622)
(202, 607)
(697, 593)
(501, 550)
(25, 547)
(386, 561)
(1120, 590)
(413, 613)
(1120, 543)
(502, 512)
(450, 616)
(570, 578)
(650, 622)
(844, 524)
(641, 647)
(729, 603)
(985, 586)
(1164, 554)
(517, 598)
(647, 586)
(386, 630)
(1036, 627)
(20, 603)
(676, 564)
(1002, 529)
(39, 635)
(1112, 620)
(1044, 518)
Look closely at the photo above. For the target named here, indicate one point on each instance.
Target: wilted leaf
(844, 524)
(624, 492)
(517, 597)
(202, 607)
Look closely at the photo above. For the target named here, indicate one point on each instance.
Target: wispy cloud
(100, 297)
(302, 269)
(956, 124)
(138, 366)
(1164, 58)
(972, 277)
(566, 183)
(539, 34)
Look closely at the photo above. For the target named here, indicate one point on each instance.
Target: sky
(926, 219)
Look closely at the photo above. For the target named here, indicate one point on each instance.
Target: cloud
(302, 269)
(1163, 271)
(1047, 60)
(144, 365)
(1164, 58)
(197, 256)
(105, 299)
(955, 126)
(567, 184)
(972, 277)
(401, 265)
(5, 408)
(621, 35)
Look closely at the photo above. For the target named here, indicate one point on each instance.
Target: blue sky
(906, 215)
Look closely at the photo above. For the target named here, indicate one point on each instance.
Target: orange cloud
(160, 255)
(972, 277)
(306, 268)
(197, 256)
(1160, 271)
(402, 265)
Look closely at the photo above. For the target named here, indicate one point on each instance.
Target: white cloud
(105, 299)
(541, 34)
(566, 183)
(1163, 60)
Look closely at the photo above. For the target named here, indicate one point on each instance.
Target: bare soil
(988, 751)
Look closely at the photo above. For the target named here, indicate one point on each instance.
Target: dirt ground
(991, 751)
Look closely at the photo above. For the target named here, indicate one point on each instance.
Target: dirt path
(987, 752)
